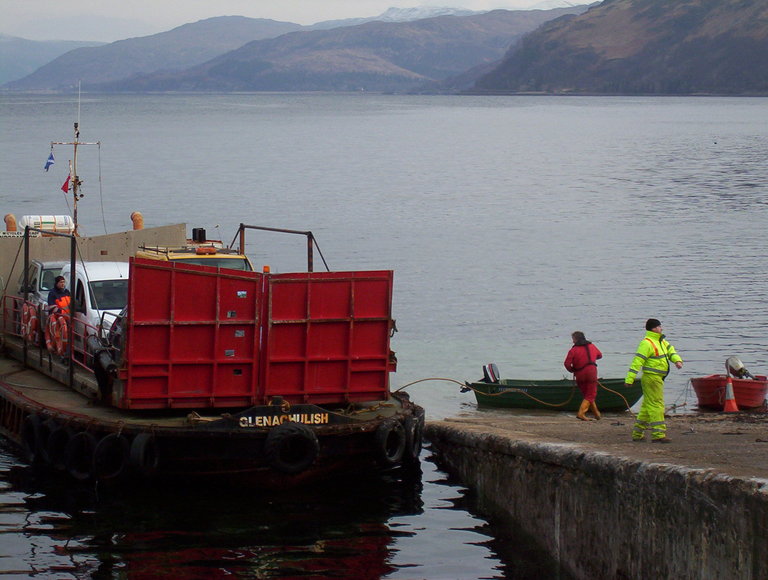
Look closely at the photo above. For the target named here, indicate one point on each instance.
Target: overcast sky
(110, 20)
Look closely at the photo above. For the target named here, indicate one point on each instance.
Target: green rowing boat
(556, 395)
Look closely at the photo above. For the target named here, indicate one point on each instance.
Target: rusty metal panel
(193, 337)
(328, 336)
(204, 337)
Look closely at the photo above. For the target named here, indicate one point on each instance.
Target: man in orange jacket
(654, 353)
(59, 297)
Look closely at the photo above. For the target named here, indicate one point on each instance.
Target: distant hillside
(176, 49)
(643, 47)
(375, 56)
(20, 57)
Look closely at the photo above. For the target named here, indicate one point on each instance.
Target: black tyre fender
(414, 433)
(31, 435)
(79, 455)
(111, 457)
(144, 456)
(57, 447)
(390, 443)
(46, 428)
(291, 448)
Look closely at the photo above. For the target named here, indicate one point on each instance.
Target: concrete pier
(606, 507)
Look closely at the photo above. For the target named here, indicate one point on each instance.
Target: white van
(101, 292)
(41, 277)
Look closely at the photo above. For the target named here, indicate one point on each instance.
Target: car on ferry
(41, 278)
(100, 293)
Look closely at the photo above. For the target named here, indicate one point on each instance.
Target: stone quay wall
(604, 516)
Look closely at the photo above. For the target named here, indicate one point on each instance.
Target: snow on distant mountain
(397, 15)
(550, 4)
(421, 12)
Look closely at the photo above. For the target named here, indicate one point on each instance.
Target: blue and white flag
(50, 161)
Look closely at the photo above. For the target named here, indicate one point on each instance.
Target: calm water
(509, 222)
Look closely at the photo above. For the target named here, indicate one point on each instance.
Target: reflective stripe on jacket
(653, 355)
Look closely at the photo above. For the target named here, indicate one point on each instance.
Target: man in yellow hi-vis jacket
(653, 356)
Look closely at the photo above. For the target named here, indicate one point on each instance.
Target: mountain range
(398, 49)
(20, 57)
(642, 47)
(374, 56)
(612, 47)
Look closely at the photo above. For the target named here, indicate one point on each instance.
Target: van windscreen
(109, 294)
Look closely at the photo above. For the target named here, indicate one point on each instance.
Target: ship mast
(74, 182)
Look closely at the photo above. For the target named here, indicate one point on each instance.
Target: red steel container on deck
(199, 337)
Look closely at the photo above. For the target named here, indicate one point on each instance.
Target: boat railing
(11, 314)
(311, 242)
(31, 328)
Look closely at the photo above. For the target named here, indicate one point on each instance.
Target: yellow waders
(651, 415)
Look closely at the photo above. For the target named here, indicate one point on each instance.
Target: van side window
(49, 280)
(80, 297)
(31, 278)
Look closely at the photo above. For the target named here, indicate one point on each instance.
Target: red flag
(65, 187)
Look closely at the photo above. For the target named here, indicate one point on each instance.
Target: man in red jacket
(582, 362)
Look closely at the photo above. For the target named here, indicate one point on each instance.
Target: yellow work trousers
(651, 415)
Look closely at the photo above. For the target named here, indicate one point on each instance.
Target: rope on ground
(623, 398)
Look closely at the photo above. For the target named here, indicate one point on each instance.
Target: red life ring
(29, 325)
(57, 334)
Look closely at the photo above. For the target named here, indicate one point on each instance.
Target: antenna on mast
(74, 182)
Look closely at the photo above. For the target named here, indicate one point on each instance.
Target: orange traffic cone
(730, 400)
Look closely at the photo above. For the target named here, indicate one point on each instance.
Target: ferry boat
(207, 372)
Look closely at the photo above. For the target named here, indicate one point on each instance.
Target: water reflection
(418, 523)
(337, 529)
(519, 556)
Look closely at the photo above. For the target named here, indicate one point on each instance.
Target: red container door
(193, 336)
(328, 337)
